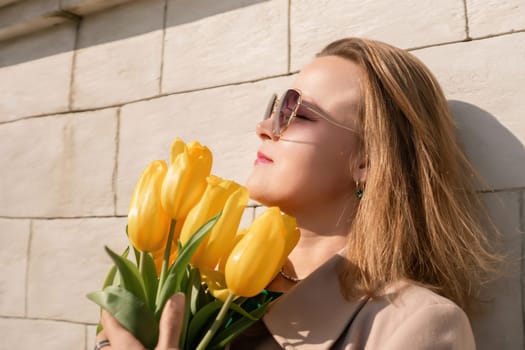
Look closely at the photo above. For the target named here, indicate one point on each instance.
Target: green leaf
(151, 281)
(129, 275)
(177, 271)
(184, 280)
(135, 251)
(224, 337)
(191, 295)
(131, 312)
(194, 289)
(205, 297)
(241, 311)
(203, 317)
(111, 279)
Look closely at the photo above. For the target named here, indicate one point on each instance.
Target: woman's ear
(359, 172)
(360, 169)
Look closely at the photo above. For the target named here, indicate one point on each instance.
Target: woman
(362, 151)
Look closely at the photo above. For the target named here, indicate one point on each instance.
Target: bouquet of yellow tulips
(183, 228)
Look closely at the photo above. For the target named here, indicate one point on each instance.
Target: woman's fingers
(118, 336)
(169, 329)
(171, 323)
(101, 337)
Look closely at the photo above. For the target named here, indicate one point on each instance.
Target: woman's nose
(264, 130)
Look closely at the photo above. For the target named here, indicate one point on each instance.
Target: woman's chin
(256, 195)
(265, 192)
(259, 194)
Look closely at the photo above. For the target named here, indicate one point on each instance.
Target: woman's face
(311, 162)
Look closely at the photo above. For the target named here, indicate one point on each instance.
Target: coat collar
(314, 313)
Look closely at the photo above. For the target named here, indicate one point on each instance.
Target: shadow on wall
(496, 153)
(131, 19)
(499, 157)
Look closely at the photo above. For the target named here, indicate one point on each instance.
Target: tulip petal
(254, 260)
(222, 237)
(216, 283)
(177, 147)
(175, 184)
(148, 223)
(186, 179)
(212, 201)
(236, 239)
(291, 235)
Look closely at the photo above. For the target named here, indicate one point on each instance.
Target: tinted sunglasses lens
(284, 112)
(269, 108)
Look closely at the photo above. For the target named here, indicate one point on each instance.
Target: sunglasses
(285, 109)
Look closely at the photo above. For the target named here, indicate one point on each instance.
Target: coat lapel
(314, 313)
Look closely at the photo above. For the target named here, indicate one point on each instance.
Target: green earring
(359, 192)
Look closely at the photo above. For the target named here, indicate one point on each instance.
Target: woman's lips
(262, 159)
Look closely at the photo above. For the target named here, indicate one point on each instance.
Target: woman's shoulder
(407, 315)
(407, 294)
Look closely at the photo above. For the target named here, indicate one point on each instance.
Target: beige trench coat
(315, 315)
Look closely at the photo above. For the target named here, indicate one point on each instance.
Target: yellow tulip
(222, 263)
(260, 253)
(220, 241)
(220, 194)
(148, 223)
(216, 283)
(215, 279)
(293, 234)
(186, 178)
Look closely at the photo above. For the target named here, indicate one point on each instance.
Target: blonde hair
(420, 217)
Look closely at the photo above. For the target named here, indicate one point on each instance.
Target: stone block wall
(92, 91)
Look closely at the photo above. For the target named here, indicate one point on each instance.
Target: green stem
(141, 263)
(165, 262)
(216, 323)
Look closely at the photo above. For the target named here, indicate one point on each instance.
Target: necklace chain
(288, 277)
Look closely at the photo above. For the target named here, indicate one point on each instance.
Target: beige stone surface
(85, 7)
(500, 323)
(407, 24)
(119, 55)
(489, 17)
(62, 173)
(522, 258)
(259, 210)
(485, 79)
(14, 240)
(214, 43)
(68, 261)
(91, 333)
(224, 119)
(30, 16)
(27, 10)
(41, 334)
(247, 217)
(7, 2)
(35, 73)
(58, 165)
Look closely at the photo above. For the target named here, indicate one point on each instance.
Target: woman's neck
(312, 251)
(324, 230)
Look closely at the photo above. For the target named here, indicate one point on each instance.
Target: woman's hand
(169, 329)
